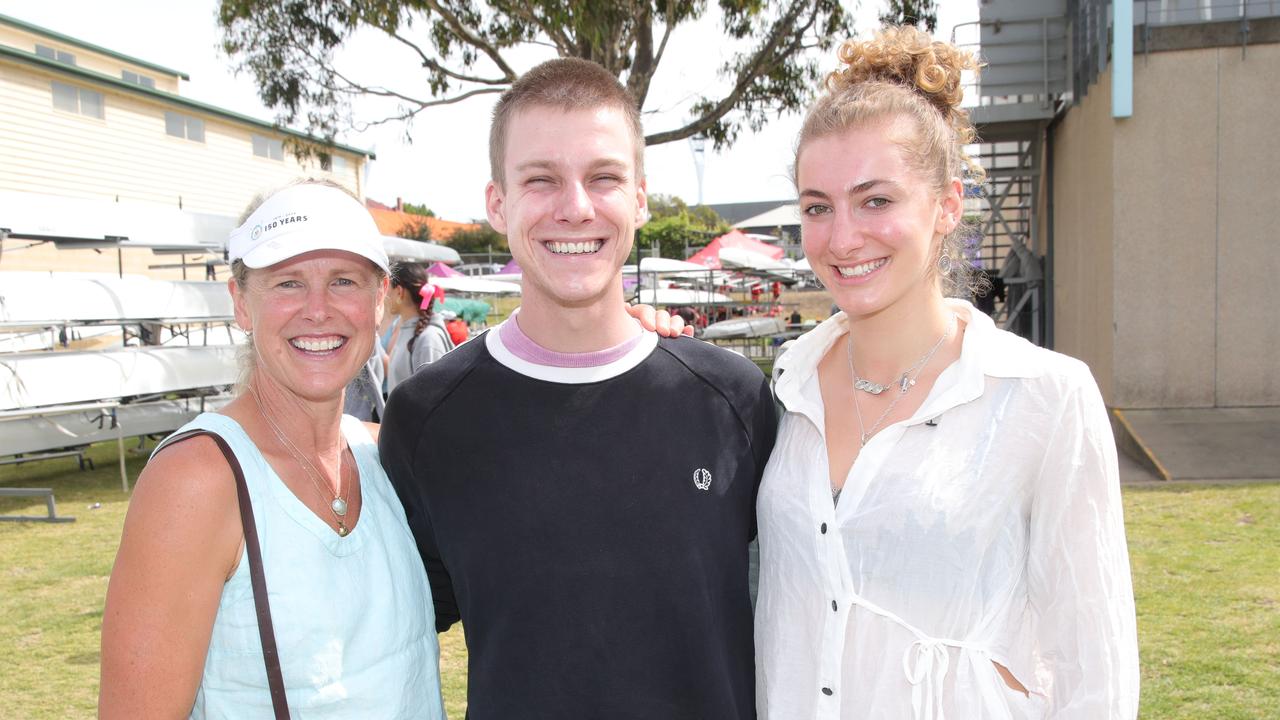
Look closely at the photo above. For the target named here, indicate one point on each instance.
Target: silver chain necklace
(905, 379)
(338, 506)
(905, 383)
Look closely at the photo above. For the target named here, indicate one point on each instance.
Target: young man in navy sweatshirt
(582, 491)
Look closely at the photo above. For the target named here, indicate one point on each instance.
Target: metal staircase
(1023, 45)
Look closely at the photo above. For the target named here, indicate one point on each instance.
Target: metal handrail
(972, 88)
(1206, 11)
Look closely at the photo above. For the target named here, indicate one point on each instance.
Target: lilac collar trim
(526, 349)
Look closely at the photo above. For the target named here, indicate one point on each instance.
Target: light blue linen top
(353, 617)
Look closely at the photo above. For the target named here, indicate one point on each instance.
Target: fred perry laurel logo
(257, 232)
(702, 478)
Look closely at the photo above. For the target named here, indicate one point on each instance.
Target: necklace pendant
(342, 529)
(339, 506)
(868, 386)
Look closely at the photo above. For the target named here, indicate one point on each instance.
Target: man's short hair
(566, 84)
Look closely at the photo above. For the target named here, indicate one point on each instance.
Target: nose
(846, 235)
(574, 204)
(316, 303)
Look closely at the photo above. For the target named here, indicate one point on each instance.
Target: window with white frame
(77, 100)
(184, 126)
(61, 56)
(333, 163)
(266, 147)
(133, 77)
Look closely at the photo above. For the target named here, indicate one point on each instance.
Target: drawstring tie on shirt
(926, 675)
(925, 662)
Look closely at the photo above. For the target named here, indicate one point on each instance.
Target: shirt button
(826, 691)
(823, 528)
(833, 605)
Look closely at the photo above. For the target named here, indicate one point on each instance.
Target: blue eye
(816, 209)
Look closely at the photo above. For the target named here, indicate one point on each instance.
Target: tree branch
(643, 65)
(768, 55)
(407, 114)
(561, 42)
(472, 39)
(428, 62)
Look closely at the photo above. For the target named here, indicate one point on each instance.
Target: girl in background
(418, 335)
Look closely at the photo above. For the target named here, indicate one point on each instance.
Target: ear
(951, 207)
(642, 203)
(240, 306)
(495, 206)
(381, 309)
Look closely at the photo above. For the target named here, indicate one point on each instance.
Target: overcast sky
(445, 166)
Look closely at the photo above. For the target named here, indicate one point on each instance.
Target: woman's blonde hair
(902, 72)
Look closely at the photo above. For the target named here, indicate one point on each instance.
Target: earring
(945, 263)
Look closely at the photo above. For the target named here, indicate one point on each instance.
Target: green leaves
(462, 48)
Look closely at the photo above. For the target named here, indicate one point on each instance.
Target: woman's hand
(660, 321)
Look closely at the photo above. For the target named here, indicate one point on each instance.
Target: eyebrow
(613, 163)
(853, 190)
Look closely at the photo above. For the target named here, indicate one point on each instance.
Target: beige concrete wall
(1166, 173)
(1083, 235)
(1248, 195)
(128, 155)
(1167, 232)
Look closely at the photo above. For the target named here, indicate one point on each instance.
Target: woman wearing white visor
(348, 607)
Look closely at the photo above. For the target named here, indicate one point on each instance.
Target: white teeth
(574, 248)
(861, 269)
(319, 345)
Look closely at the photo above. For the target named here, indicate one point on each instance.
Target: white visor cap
(302, 218)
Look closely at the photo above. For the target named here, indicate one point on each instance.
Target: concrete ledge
(1222, 33)
(1202, 444)
(1128, 442)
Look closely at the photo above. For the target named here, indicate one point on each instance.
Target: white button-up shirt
(986, 527)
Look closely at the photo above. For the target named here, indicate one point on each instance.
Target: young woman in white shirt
(940, 522)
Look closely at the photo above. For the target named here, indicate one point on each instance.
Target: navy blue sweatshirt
(589, 527)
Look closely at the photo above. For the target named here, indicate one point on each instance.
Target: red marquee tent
(709, 256)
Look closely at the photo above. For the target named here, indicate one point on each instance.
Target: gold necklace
(338, 505)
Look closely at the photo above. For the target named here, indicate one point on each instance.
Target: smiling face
(871, 224)
(569, 204)
(313, 319)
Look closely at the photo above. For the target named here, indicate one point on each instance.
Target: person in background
(418, 335)
(941, 532)
(458, 330)
(363, 398)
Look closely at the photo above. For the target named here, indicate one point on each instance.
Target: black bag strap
(270, 656)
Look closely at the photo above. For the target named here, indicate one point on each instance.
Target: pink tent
(442, 270)
(709, 256)
(511, 268)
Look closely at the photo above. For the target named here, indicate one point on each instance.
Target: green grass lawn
(1206, 562)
